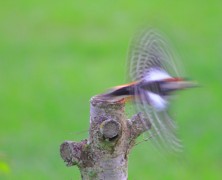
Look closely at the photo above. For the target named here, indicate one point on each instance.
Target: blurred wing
(163, 129)
(149, 54)
(147, 50)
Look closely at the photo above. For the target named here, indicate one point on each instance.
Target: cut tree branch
(104, 155)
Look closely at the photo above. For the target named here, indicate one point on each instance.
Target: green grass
(55, 55)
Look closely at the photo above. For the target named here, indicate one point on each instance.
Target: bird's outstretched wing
(150, 51)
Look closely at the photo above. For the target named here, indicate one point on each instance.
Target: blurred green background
(55, 55)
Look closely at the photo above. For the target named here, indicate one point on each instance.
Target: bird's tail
(122, 91)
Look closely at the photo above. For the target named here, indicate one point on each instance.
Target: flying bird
(154, 76)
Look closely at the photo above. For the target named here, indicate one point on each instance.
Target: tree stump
(104, 155)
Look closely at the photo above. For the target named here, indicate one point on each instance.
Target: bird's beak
(185, 84)
(179, 85)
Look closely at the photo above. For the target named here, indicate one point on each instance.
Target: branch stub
(110, 129)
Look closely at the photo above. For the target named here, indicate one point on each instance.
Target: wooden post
(104, 155)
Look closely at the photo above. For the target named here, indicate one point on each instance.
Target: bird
(154, 76)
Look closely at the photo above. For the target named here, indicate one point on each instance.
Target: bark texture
(104, 155)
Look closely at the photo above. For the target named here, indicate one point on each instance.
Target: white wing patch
(155, 74)
(156, 101)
